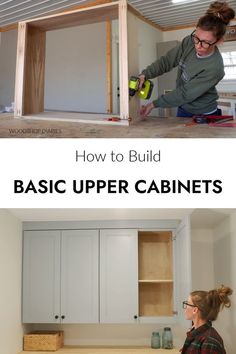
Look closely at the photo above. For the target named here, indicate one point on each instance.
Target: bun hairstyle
(217, 17)
(211, 302)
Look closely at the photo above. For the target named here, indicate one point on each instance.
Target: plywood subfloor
(153, 127)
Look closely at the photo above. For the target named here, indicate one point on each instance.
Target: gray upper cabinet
(107, 275)
(60, 276)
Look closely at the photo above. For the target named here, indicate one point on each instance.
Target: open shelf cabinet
(155, 254)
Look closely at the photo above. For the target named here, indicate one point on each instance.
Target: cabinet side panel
(35, 71)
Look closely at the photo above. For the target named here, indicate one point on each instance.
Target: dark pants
(182, 113)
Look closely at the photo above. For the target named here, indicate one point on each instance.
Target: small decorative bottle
(155, 340)
(167, 338)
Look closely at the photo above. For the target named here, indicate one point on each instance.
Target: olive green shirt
(196, 79)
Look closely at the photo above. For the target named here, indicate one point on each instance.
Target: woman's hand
(141, 81)
(146, 109)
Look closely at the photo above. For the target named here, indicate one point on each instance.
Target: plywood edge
(84, 6)
(9, 27)
(69, 9)
(109, 65)
(20, 69)
(76, 118)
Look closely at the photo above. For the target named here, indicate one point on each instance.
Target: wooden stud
(109, 65)
(20, 70)
(123, 60)
(133, 62)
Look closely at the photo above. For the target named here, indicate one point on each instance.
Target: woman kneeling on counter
(200, 66)
(202, 307)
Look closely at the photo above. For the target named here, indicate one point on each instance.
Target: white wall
(10, 277)
(114, 334)
(75, 77)
(177, 35)
(224, 268)
(7, 67)
(202, 259)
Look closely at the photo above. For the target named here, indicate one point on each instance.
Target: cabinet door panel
(118, 276)
(79, 276)
(41, 277)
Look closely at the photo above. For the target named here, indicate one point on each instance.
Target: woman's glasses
(185, 304)
(203, 43)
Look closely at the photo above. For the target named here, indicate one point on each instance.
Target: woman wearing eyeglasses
(200, 66)
(202, 307)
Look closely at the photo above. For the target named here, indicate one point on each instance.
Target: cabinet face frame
(30, 63)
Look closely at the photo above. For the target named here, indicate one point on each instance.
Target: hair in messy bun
(217, 17)
(211, 302)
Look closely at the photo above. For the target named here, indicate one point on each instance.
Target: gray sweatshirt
(196, 79)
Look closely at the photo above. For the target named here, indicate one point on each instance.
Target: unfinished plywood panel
(155, 255)
(156, 299)
(30, 76)
(34, 70)
(93, 14)
(155, 273)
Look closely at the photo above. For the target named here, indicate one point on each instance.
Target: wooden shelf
(107, 350)
(156, 281)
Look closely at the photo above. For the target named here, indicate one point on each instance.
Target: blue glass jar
(155, 340)
(167, 338)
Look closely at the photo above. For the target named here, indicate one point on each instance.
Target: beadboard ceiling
(161, 12)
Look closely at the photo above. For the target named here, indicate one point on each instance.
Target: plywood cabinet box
(30, 66)
(106, 275)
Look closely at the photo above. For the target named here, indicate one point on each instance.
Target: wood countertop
(106, 350)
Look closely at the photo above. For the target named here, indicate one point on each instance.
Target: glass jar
(167, 338)
(155, 340)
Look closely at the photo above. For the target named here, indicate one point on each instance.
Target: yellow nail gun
(145, 92)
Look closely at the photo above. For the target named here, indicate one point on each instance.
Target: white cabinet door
(79, 276)
(118, 276)
(41, 277)
(182, 267)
